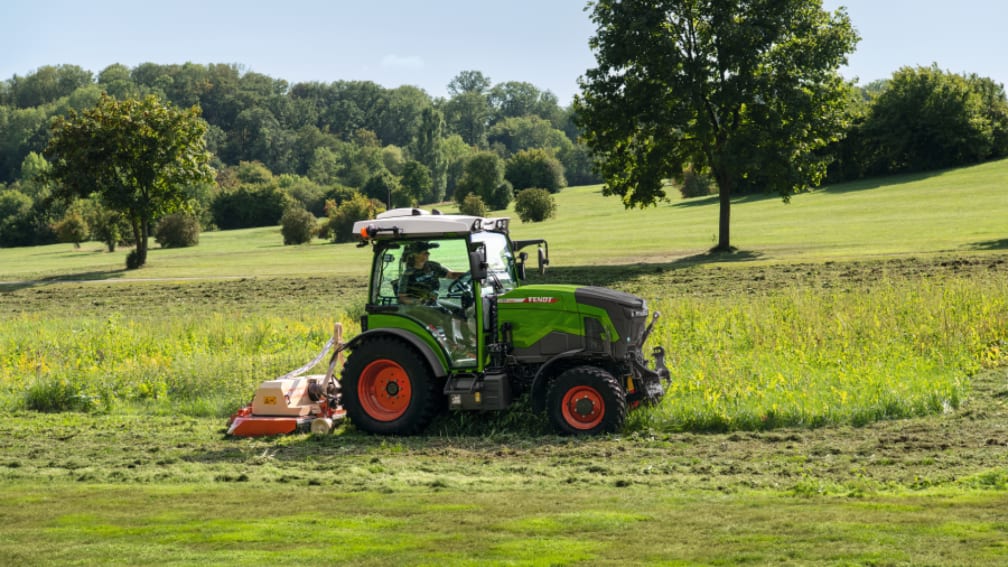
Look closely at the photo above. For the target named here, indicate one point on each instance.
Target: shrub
(133, 260)
(108, 226)
(72, 228)
(298, 226)
(473, 205)
(15, 218)
(696, 185)
(535, 205)
(483, 175)
(535, 168)
(501, 196)
(249, 206)
(53, 395)
(383, 187)
(177, 230)
(343, 216)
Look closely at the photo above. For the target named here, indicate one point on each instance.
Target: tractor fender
(543, 375)
(435, 362)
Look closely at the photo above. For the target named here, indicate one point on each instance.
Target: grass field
(839, 397)
(960, 211)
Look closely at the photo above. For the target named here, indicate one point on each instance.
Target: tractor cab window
(428, 281)
(500, 262)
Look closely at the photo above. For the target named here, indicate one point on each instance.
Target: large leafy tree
(137, 155)
(468, 112)
(740, 88)
(428, 148)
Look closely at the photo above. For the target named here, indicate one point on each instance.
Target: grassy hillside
(958, 211)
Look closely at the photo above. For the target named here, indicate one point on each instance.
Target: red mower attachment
(294, 402)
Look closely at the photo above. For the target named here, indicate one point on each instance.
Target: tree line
(273, 144)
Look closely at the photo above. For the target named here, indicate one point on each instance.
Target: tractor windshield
(500, 262)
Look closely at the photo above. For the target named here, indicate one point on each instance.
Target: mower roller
(294, 402)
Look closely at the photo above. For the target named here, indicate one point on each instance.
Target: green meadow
(838, 397)
(960, 211)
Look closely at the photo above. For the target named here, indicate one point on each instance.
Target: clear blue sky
(427, 43)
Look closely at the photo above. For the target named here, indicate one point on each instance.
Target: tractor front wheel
(388, 388)
(586, 400)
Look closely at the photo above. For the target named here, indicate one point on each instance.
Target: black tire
(388, 388)
(586, 400)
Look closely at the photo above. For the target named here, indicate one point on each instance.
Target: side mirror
(478, 263)
(543, 261)
(522, 258)
(543, 253)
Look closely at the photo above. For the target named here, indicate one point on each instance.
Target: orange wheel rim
(583, 407)
(384, 390)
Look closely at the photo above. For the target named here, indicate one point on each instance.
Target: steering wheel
(461, 284)
(462, 289)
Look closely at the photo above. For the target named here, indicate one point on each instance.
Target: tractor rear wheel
(388, 388)
(586, 400)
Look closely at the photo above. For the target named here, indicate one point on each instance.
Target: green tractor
(448, 323)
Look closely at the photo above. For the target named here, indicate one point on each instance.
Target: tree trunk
(142, 243)
(138, 257)
(725, 184)
(724, 221)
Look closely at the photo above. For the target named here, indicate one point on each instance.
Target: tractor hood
(551, 319)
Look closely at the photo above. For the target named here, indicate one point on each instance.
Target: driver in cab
(421, 279)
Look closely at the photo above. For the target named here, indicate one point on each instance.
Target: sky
(426, 43)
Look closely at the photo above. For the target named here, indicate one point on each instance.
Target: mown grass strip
(246, 525)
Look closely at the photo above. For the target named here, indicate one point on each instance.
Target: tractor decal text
(530, 300)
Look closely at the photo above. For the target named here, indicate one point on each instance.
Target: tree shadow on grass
(878, 182)
(711, 200)
(612, 274)
(1001, 244)
(98, 275)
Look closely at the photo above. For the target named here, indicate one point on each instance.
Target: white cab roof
(406, 223)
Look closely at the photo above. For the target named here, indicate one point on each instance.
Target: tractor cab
(435, 276)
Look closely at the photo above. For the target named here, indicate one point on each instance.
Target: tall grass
(804, 357)
(197, 364)
(810, 357)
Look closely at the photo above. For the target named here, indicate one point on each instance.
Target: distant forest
(316, 142)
